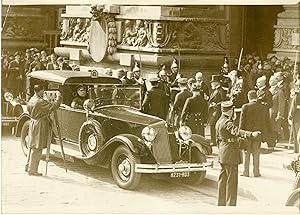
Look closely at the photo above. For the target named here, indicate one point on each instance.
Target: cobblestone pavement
(87, 189)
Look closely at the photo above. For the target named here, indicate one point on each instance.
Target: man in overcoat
(15, 75)
(264, 96)
(180, 100)
(40, 129)
(229, 154)
(155, 101)
(194, 113)
(214, 109)
(250, 123)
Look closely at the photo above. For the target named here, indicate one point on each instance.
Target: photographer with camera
(40, 128)
(250, 123)
(229, 154)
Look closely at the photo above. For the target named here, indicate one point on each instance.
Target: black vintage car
(111, 131)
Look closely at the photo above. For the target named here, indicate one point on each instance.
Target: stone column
(287, 32)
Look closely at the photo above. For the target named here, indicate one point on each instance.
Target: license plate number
(180, 174)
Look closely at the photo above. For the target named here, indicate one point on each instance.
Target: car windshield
(115, 95)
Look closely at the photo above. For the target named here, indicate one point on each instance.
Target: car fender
(103, 157)
(295, 195)
(23, 118)
(201, 143)
(134, 143)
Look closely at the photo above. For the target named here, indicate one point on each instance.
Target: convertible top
(73, 77)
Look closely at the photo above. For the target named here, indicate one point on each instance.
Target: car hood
(127, 114)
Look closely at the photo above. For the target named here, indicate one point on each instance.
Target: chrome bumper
(168, 168)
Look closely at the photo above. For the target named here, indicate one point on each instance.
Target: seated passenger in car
(80, 97)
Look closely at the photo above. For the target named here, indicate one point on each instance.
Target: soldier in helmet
(229, 154)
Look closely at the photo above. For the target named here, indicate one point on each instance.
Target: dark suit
(254, 117)
(264, 96)
(229, 158)
(194, 114)
(214, 110)
(15, 77)
(204, 89)
(155, 103)
(179, 102)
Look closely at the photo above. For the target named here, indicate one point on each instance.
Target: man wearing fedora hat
(155, 100)
(214, 109)
(229, 154)
(194, 113)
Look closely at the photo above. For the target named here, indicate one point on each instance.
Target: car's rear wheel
(196, 178)
(91, 138)
(25, 138)
(123, 168)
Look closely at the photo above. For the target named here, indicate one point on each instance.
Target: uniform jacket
(255, 117)
(226, 134)
(265, 97)
(40, 129)
(195, 111)
(155, 103)
(214, 110)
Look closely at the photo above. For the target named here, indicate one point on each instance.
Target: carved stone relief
(283, 38)
(98, 12)
(184, 35)
(22, 28)
(76, 29)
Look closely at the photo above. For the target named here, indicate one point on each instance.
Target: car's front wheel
(25, 138)
(196, 178)
(123, 168)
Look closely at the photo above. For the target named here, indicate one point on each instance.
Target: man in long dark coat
(229, 154)
(264, 96)
(180, 100)
(40, 129)
(194, 113)
(15, 75)
(214, 109)
(155, 101)
(250, 114)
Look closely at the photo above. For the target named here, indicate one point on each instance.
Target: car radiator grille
(161, 146)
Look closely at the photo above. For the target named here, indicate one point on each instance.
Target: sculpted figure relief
(135, 36)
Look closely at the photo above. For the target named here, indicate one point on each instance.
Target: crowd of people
(15, 67)
(250, 101)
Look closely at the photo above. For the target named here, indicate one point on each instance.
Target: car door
(70, 120)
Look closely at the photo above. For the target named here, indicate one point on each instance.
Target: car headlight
(148, 134)
(8, 96)
(89, 105)
(185, 133)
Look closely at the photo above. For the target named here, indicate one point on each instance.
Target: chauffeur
(229, 154)
(39, 127)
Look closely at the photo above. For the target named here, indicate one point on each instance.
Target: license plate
(180, 174)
